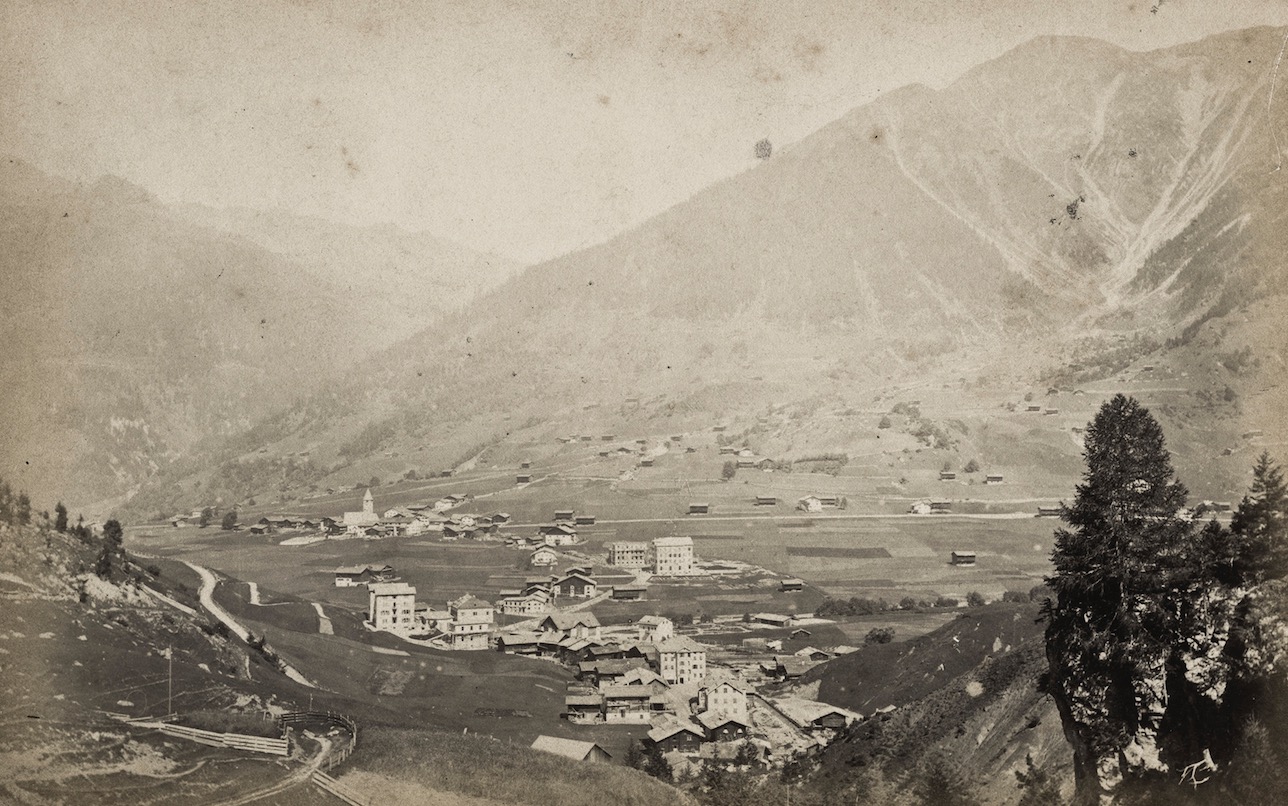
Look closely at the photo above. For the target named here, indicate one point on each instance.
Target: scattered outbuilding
(963, 558)
(571, 748)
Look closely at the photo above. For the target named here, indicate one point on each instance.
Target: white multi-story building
(471, 624)
(654, 629)
(625, 554)
(673, 556)
(392, 606)
(724, 698)
(681, 660)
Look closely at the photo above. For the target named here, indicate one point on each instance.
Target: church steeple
(368, 503)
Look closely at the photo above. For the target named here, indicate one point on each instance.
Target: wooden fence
(237, 741)
(333, 787)
(341, 721)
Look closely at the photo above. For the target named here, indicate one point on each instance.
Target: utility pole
(169, 683)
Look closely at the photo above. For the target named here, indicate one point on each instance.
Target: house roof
(669, 729)
(714, 719)
(583, 699)
(391, 589)
(731, 684)
(680, 643)
(653, 621)
(519, 638)
(568, 748)
(622, 691)
(566, 621)
(469, 601)
(642, 676)
(672, 541)
(351, 569)
(582, 577)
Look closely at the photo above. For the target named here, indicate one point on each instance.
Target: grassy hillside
(497, 772)
(966, 693)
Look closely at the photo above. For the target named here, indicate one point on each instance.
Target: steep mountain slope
(967, 690)
(131, 333)
(1065, 202)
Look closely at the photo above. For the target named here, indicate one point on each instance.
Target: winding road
(207, 595)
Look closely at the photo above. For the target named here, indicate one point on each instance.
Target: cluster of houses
(539, 594)
(662, 679)
(466, 623)
(409, 520)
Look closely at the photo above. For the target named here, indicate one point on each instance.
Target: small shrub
(974, 599)
(971, 467)
(1015, 596)
(879, 635)
(945, 601)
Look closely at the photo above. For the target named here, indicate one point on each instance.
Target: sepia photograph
(676, 403)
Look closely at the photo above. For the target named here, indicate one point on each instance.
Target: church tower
(368, 503)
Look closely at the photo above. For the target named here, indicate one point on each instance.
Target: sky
(527, 129)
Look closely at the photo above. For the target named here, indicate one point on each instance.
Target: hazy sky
(528, 129)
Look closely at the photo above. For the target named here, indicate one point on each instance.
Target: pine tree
(60, 517)
(1113, 621)
(1038, 786)
(1260, 526)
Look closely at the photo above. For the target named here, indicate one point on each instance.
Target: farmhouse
(766, 500)
(791, 584)
(581, 624)
(721, 727)
(575, 586)
(526, 604)
(647, 461)
(391, 606)
(993, 478)
(810, 503)
(628, 593)
(681, 660)
(523, 478)
(773, 619)
(570, 748)
(609, 670)
(564, 514)
(728, 450)
(654, 629)
(785, 667)
(543, 557)
(947, 475)
(520, 643)
(963, 558)
(678, 737)
(699, 508)
(941, 507)
(623, 703)
(673, 556)
(582, 708)
(351, 576)
(584, 520)
(626, 554)
(746, 462)
(559, 534)
(1049, 512)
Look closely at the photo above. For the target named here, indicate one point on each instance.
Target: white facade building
(673, 556)
(681, 660)
(392, 606)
